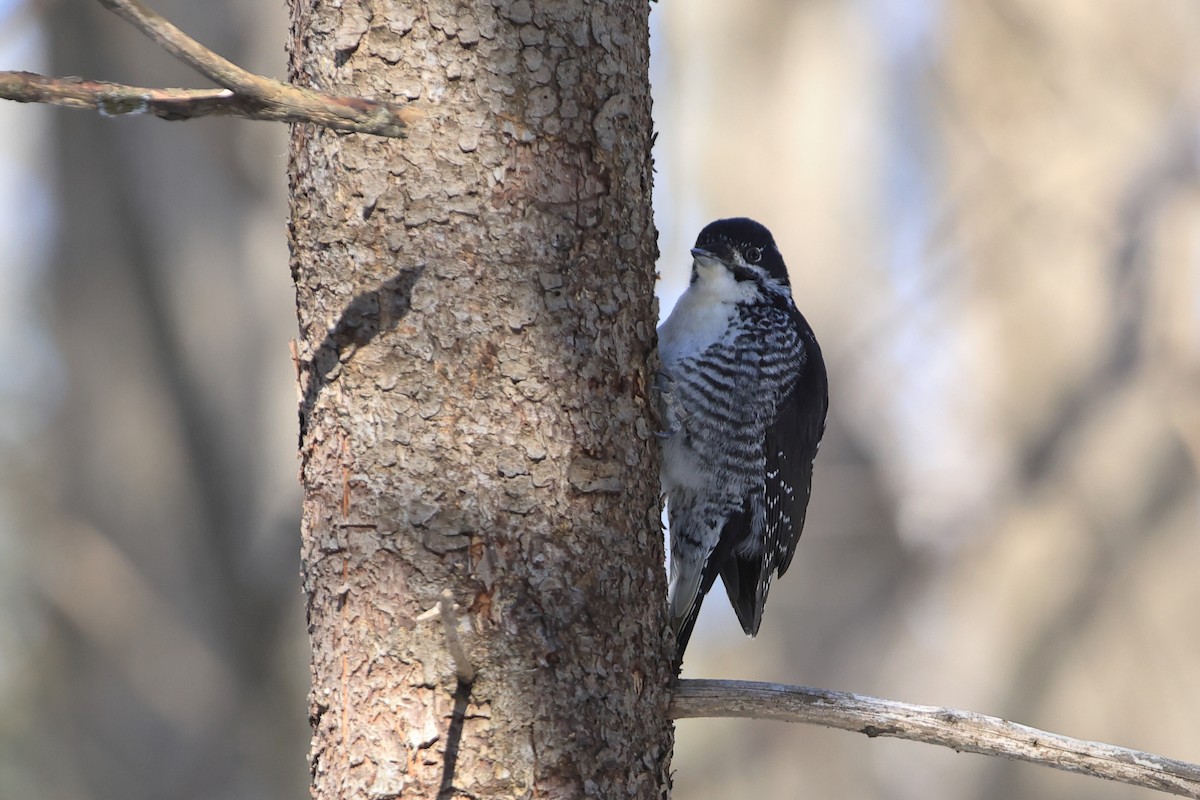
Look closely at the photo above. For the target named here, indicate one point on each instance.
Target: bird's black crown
(749, 238)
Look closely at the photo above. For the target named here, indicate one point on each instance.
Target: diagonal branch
(965, 731)
(368, 116)
(195, 55)
(245, 94)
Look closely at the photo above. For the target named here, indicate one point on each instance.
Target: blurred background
(991, 211)
(152, 640)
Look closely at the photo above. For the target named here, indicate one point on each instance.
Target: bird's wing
(790, 446)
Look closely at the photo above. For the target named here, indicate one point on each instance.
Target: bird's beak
(706, 257)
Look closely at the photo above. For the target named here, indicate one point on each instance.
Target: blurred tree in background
(157, 648)
(990, 210)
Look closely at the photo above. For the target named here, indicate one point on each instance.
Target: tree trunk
(476, 317)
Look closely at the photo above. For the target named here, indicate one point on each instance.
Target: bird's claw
(663, 382)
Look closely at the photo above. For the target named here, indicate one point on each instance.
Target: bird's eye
(754, 255)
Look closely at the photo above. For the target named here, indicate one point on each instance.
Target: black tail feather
(743, 580)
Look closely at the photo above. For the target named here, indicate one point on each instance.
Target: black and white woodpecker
(743, 395)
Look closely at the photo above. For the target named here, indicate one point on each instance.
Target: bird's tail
(692, 575)
(747, 586)
(684, 599)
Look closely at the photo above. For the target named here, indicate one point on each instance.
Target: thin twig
(964, 731)
(463, 669)
(465, 673)
(462, 665)
(189, 51)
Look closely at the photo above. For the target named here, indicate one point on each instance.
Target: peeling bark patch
(873, 731)
(614, 110)
(401, 18)
(589, 475)
(542, 101)
(520, 12)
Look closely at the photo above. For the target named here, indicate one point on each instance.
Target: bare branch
(964, 731)
(115, 99)
(244, 94)
(378, 117)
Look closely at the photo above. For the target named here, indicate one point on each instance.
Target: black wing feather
(791, 445)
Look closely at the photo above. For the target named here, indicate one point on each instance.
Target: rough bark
(476, 314)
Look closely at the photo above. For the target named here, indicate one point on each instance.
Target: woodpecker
(743, 396)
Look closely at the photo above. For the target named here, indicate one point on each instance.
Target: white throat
(702, 315)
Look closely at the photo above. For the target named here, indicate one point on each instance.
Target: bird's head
(742, 247)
